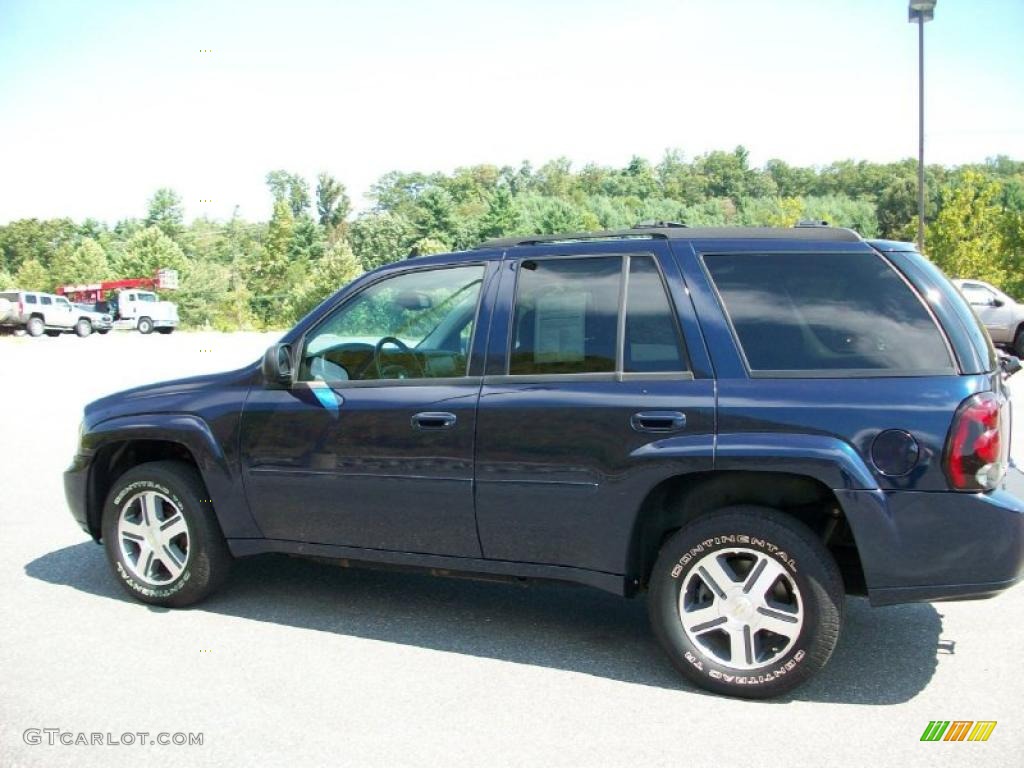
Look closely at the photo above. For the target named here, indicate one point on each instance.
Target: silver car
(1001, 315)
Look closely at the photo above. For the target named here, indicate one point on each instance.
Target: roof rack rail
(660, 224)
(810, 223)
(675, 232)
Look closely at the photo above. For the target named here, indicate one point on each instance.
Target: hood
(193, 394)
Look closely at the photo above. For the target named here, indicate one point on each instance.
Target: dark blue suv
(745, 424)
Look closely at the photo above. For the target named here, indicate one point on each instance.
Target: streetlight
(920, 11)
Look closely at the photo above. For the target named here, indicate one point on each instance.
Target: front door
(591, 400)
(372, 445)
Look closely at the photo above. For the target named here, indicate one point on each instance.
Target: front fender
(195, 435)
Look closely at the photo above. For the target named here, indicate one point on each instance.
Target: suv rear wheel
(161, 536)
(746, 601)
(35, 326)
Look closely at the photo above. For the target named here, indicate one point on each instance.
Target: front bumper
(76, 485)
(918, 546)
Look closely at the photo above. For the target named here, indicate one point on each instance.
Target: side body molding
(195, 434)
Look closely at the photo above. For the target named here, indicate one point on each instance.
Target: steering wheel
(403, 348)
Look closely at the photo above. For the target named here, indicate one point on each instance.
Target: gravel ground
(298, 662)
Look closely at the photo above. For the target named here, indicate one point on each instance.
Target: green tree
(381, 238)
(307, 242)
(34, 239)
(337, 268)
(290, 188)
(435, 216)
(966, 238)
(32, 276)
(268, 280)
(332, 202)
(166, 213)
(147, 251)
(500, 218)
(86, 263)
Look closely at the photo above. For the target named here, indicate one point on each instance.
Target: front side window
(416, 325)
(814, 312)
(978, 295)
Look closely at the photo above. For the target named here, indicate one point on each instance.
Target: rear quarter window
(827, 314)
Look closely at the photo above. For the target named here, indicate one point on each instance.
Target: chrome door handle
(433, 420)
(658, 421)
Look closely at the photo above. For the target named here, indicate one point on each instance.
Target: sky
(102, 102)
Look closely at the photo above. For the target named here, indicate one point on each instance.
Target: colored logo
(958, 730)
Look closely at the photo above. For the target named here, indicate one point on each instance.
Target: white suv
(38, 313)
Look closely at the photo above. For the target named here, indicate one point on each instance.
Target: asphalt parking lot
(297, 662)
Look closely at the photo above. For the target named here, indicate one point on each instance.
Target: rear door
(591, 399)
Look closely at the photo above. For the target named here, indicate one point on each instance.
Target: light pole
(920, 12)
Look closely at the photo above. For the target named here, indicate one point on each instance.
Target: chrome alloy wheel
(153, 537)
(741, 607)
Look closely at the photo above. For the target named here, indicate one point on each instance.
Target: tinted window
(30, 299)
(652, 333)
(411, 326)
(45, 300)
(833, 312)
(566, 316)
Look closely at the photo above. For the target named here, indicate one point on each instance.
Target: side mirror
(1009, 365)
(997, 302)
(277, 365)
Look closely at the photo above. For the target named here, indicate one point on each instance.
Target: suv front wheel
(746, 601)
(161, 536)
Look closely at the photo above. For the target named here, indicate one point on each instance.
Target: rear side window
(566, 317)
(652, 334)
(30, 299)
(833, 312)
(45, 300)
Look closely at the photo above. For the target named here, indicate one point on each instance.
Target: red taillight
(976, 452)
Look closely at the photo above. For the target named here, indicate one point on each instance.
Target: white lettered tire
(161, 536)
(746, 601)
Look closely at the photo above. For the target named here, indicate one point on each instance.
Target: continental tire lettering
(148, 591)
(765, 677)
(141, 484)
(718, 541)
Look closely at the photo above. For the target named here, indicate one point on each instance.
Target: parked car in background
(37, 313)
(745, 424)
(40, 313)
(91, 318)
(1001, 315)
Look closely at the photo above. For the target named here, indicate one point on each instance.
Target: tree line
(266, 274)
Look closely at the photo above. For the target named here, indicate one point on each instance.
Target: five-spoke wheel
(154, 538)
